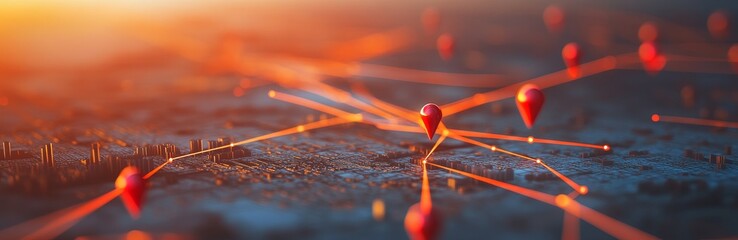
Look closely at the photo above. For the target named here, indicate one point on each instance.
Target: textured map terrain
(144, 103)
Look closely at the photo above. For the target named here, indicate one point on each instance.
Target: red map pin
(421, 225)
(445, 45)
(652, 60)
(648, 32)
(733, 56)
(718, 24)
(431, 115)
(572, 55)
(530, 100)
(648, 51)
(133, 185)
(553, 17)
(431, 19)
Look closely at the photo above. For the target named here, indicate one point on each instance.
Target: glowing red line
(466, 133)
(438, 142)
(155, 170)
(426, 204)
(571, 227)
(308, 103)
(581, 189)
(428, 77)
(348, 69)
(388, 107)
(693, 121)
(543, 197)
(607, 224)
(564, 178)
(573, 144)
(524, 139)
(675, 57)
(347, 98)
(545, 81)
(515, 154)
(292, 130)
(51, 225)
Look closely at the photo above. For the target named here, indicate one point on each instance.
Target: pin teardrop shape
(572, 55)
(133, 185)
(422, 225)
(530, 100)
(431, 116)
(553, 17)
(445, 45)
(653, 61)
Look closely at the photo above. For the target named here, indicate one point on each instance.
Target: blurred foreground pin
(733, 56)
(718, 24)
(445, 44)
(431, 19)
(572, 55)
(431, 115)
(652, 60)
(553, 17)
(134, 188)
(648, 32)
(422, 225)
(530, 100)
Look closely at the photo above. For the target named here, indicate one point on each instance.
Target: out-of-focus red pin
(717, 24)
(553, 17)
(648, 51)
(431, 19)
(733, 56)
(133, 185)
(431, 116)
(648, 32)
(445, 45)
(653, 61)
(422, 225)
(572, 55)
(530, 100)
